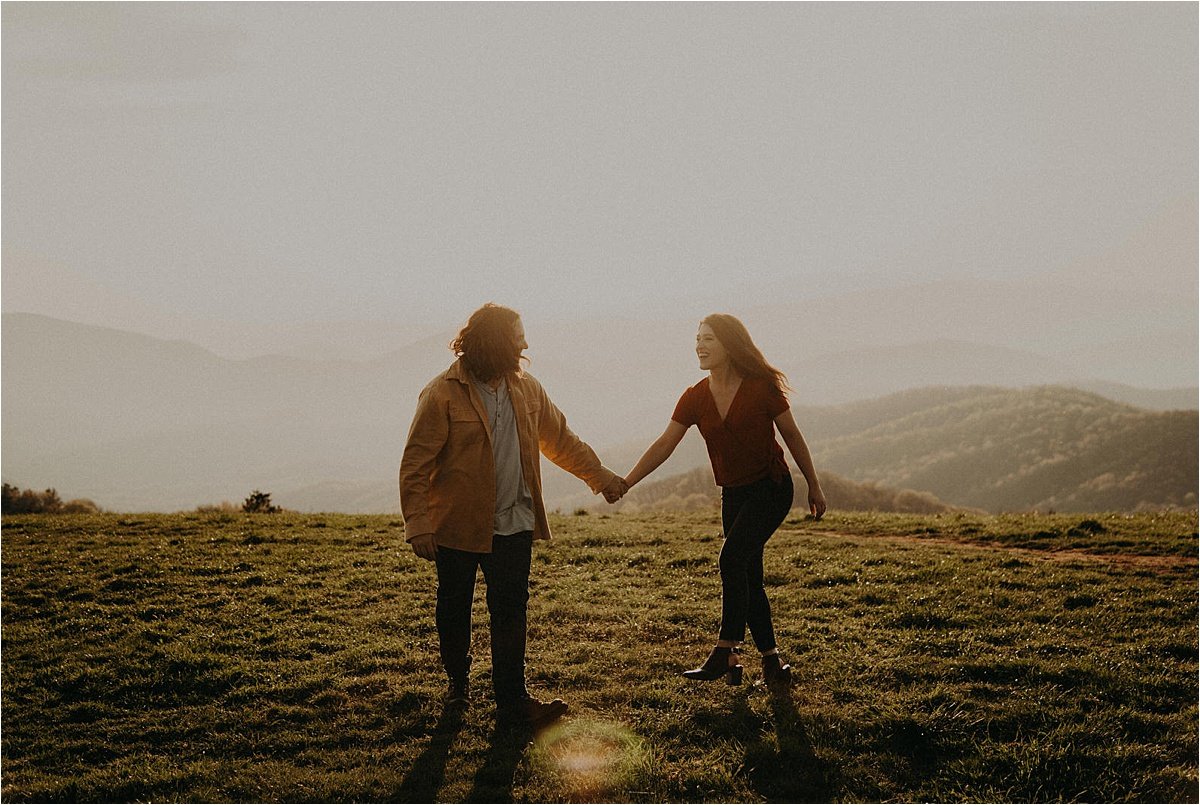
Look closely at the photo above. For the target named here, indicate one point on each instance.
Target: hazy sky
(282, 162)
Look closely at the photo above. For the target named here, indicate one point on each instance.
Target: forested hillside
(1046, 448)
(696, 489)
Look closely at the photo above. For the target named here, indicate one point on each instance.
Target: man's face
(519, 335)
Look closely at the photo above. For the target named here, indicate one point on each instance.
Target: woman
(737, 409)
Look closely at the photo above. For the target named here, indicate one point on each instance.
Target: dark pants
(506, 573)
(750, 514)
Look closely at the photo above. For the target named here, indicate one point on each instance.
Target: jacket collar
(458, 371)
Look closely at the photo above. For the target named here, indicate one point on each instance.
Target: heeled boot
(722, 662)
(775, 672)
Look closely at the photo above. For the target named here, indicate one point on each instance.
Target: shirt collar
(458, 371)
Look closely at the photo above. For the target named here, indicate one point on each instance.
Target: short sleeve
(776, 401)
(685, 410)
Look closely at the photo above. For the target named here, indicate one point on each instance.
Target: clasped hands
(615, 490)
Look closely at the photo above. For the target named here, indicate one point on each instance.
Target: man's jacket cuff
(416, 527)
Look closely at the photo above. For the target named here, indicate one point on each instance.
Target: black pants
(750, 514)
(506, 573)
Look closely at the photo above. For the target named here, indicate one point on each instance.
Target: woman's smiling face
(709, 349)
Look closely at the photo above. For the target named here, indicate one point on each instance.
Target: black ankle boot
(775, 673)
(722, 662)
(458, 692)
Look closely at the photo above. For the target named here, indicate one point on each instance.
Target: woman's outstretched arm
(794, 439)
(657, 453)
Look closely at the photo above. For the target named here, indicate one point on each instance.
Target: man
(471, 495)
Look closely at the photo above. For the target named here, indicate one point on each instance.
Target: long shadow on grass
(494, 780)
(424, 779)
(792, 772)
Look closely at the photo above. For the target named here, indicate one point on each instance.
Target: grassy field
(294, 658)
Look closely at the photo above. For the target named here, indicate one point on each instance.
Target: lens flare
(591, 759)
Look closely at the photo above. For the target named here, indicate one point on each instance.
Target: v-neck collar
(732, 401)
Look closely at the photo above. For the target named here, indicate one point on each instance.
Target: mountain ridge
(132, 421)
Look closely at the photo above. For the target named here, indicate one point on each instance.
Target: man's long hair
(746, 358)
(488, 344)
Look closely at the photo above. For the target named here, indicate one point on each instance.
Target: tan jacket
(447, 474)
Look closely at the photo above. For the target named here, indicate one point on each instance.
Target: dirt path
(1161, 564)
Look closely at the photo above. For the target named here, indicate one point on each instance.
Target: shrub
(259, 502)
(224, 507)
(26, 501)
(80, 506)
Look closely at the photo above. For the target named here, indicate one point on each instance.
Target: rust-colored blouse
(742, 447)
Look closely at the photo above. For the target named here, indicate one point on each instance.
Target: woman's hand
(794, 439)
(616, 489)
(816, 502)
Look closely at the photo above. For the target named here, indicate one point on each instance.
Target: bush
(27, 501)
(80, 506)
(18, 501)
(224, 507)
(259, 502)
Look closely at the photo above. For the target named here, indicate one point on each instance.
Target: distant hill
(979, 447)
(140, 423)
(146, 424)
(1000, 450)
(697, 490)
(1178, 399)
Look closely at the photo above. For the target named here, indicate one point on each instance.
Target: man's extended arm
(560, 444)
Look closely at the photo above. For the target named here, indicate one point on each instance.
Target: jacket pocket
(533, 421)
(465, 426)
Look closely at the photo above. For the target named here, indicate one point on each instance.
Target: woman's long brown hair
(488, 344)
(747, 359)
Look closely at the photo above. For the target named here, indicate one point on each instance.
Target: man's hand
(615, 490)
(424, 546)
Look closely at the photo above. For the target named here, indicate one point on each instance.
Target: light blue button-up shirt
(514, 504)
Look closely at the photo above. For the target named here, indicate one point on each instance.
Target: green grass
(294, 658)
(1154, 534)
